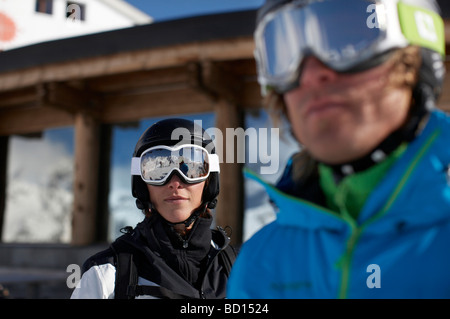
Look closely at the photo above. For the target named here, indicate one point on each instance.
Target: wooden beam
(251, 97)
(67, 98)
(119, 108)
(124, 108)
(32, 119)
(447, 30)
(230, 208)
(196, 82)
(149, 78)
(104, 178)
(87, 140)
(234, 81)
(220, 81)
(444, 107)
(18, 97)
(121, 63)
(444, 99)
(4, 140)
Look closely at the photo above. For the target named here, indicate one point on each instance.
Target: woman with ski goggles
(175, 178)
(173, 253)
(364, 207)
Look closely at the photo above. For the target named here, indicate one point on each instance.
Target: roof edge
(148, 36)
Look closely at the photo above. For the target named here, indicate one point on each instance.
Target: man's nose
(315, 73)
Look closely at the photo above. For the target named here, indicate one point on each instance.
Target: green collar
(349, 195)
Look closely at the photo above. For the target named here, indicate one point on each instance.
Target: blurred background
(79, 83)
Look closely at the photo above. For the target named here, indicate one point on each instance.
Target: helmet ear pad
(211, 190)
(140, 192)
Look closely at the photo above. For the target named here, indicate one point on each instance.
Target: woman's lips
(175, 199)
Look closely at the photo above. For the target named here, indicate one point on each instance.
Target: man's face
(342, 117)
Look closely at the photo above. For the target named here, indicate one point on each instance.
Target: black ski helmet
(165, 132)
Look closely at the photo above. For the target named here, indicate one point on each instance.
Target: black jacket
(163, 264)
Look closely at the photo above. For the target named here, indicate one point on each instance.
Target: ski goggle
(192, 162)
(343, 34)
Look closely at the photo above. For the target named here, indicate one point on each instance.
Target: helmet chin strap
(180, 228)
(187, 222)
(193, 217)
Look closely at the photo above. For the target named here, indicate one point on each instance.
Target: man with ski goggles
(345, 35)
(363, 210)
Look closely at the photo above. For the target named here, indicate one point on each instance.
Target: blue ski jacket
(399, 247)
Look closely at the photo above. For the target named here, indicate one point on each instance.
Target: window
(75, 11)
(39, 192)
(44, 6)
(257, 209)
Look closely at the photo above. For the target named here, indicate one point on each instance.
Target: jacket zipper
(208, 268)
(356, 232)
(346, 260)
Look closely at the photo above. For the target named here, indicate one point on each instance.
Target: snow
(39, 191)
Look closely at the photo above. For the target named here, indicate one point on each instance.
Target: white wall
(33, 27)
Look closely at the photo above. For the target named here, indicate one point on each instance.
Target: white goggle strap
(214, 165)
(136, 166)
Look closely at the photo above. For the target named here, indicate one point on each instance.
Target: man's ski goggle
(192, 162)
(343, 34)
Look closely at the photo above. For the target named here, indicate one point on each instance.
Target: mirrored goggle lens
(338, 32)
(157, 164)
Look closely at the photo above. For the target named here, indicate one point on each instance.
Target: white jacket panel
(99, 282)
(96, 283)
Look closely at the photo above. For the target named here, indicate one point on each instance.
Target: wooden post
(230, 211)
(104, 178)
(87, 138)
(3, 177)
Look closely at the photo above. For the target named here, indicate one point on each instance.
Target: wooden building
(201, 64)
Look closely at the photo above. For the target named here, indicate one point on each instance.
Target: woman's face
(342, 117)
(176, 200)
